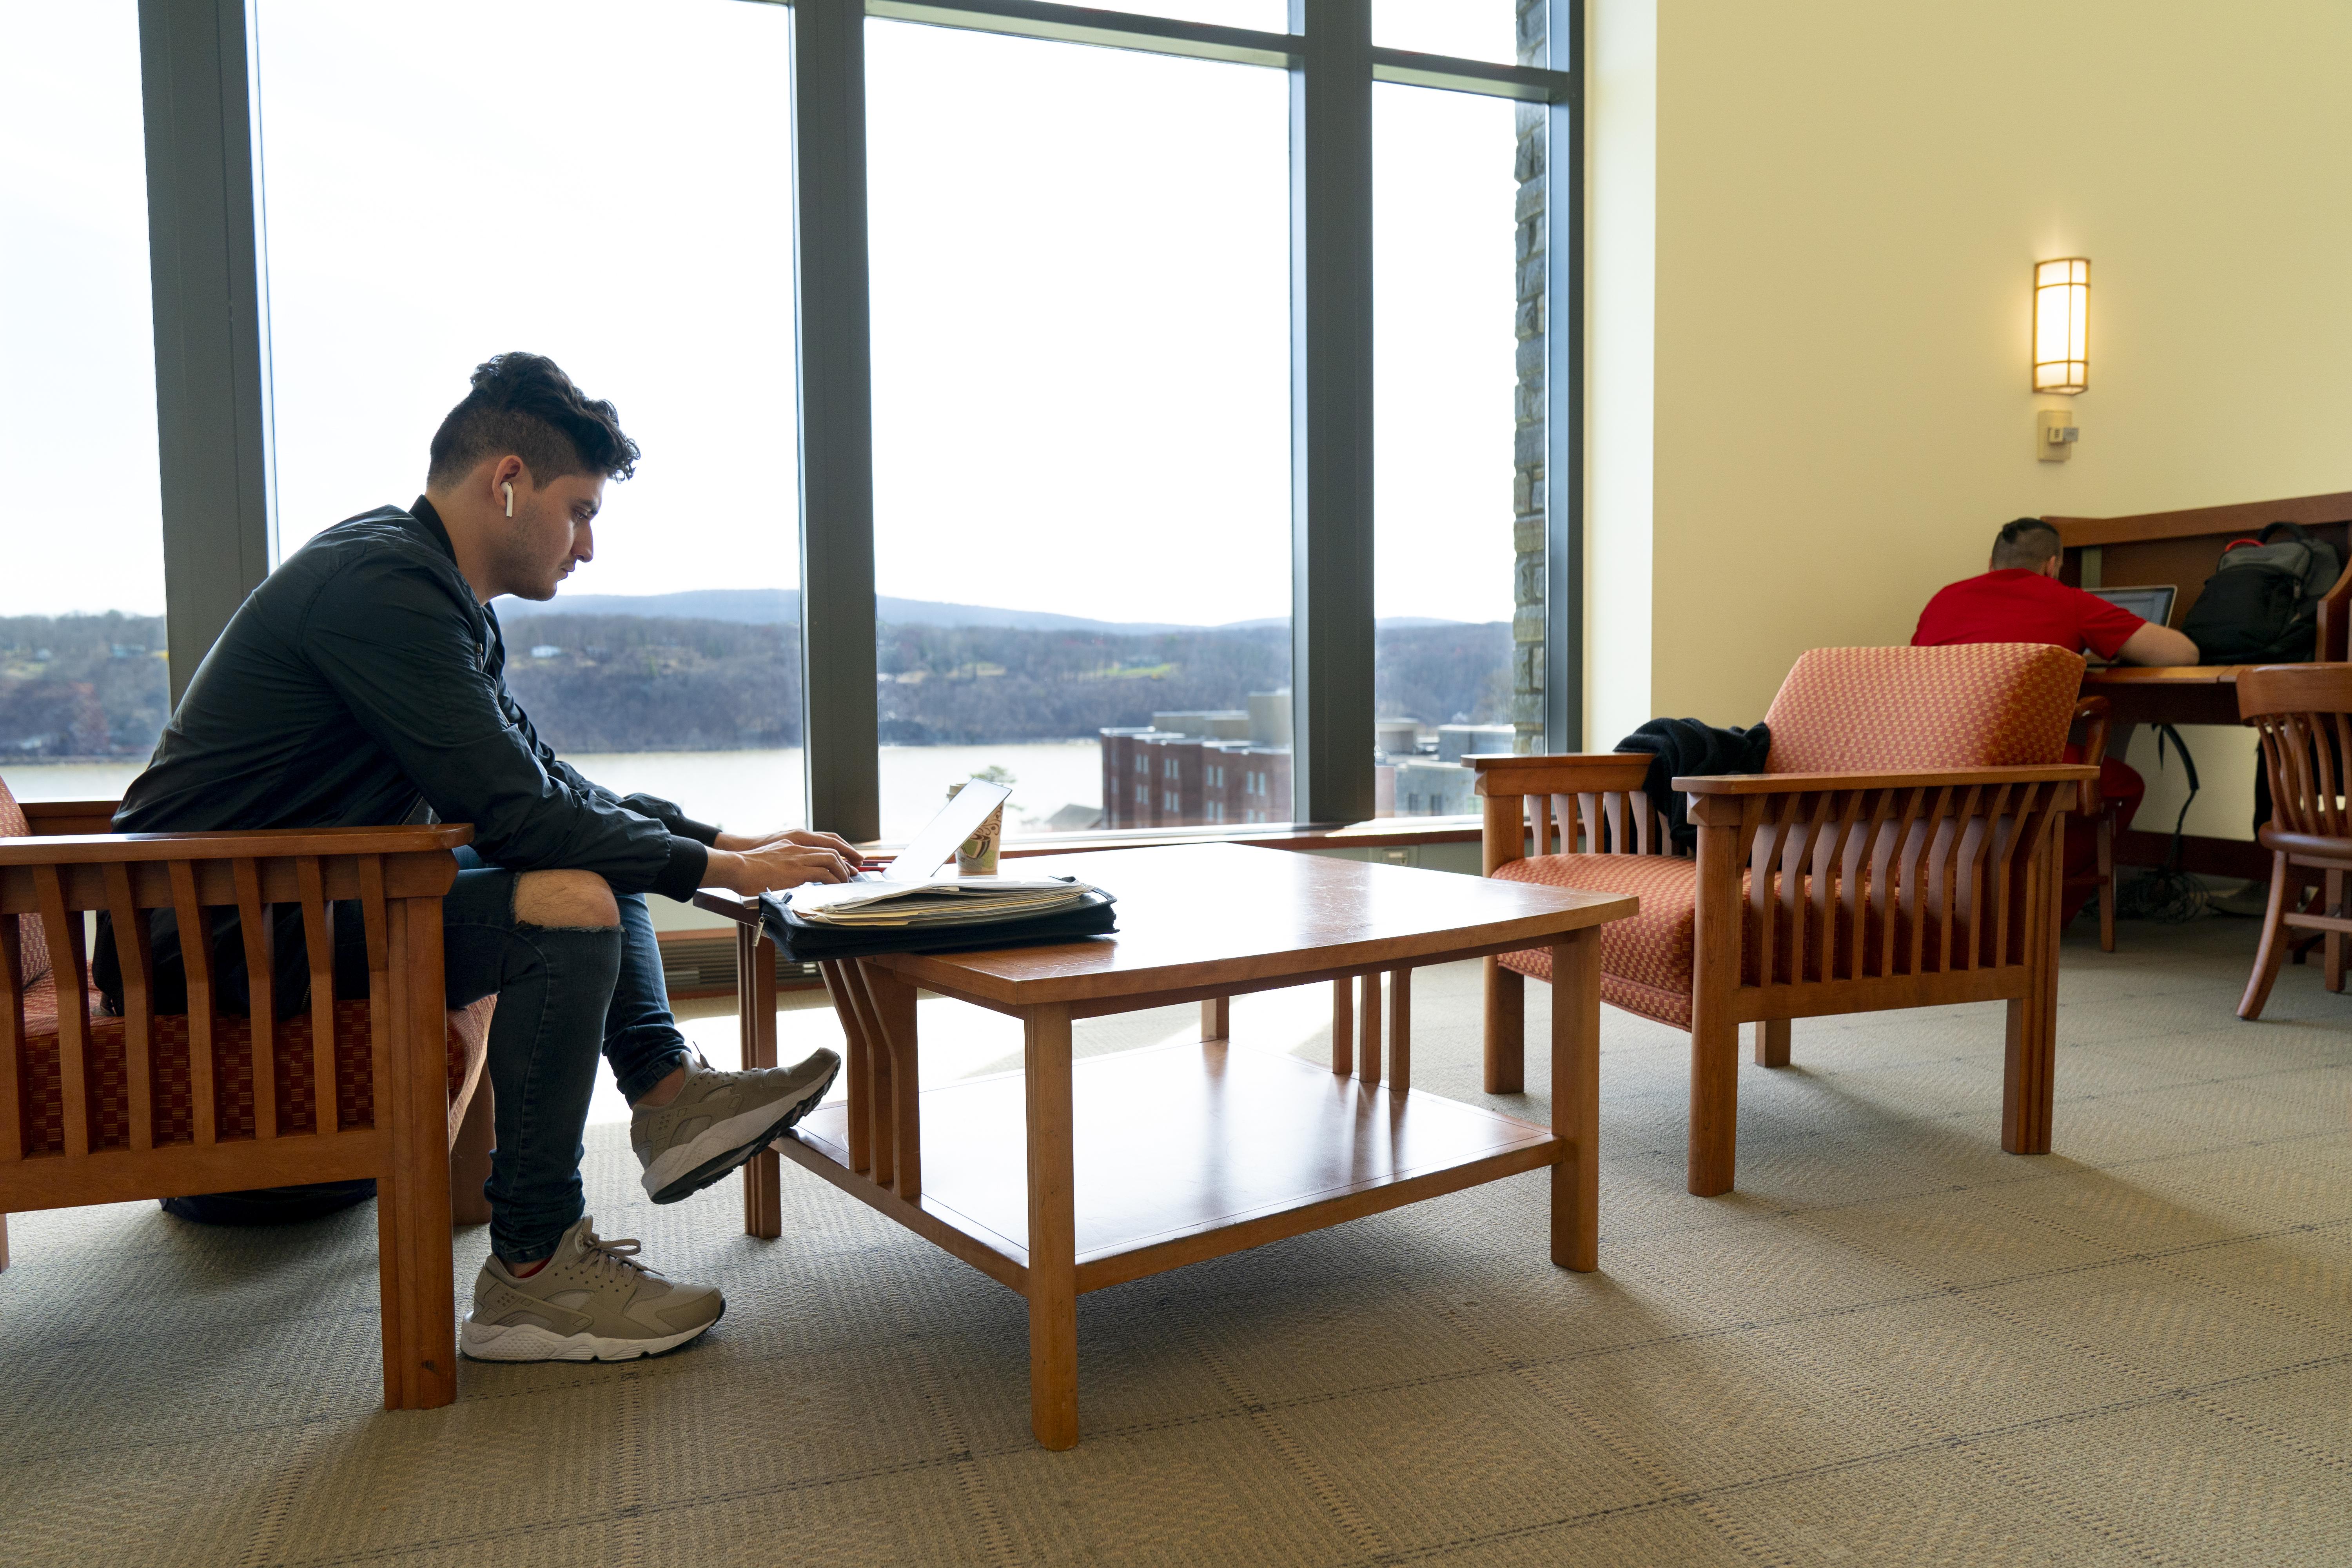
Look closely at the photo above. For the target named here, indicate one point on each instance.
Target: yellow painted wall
(1850, 194)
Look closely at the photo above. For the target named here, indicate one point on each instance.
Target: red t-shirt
(2018, 605)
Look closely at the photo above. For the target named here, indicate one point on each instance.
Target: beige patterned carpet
(1893, 1345)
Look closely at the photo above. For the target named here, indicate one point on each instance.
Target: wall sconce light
(2061, 309)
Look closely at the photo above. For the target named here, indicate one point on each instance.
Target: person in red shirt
(2019, 599)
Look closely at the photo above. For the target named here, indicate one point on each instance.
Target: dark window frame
(209, 274)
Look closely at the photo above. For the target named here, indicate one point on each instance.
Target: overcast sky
(1080, 279)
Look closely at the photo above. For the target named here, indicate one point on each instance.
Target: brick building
(1200, 769)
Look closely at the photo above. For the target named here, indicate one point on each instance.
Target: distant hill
(782, 607)
(721, 671)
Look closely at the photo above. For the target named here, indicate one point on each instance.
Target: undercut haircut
(524, 404)
(2025, 545)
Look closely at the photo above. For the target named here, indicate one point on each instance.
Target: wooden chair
(2304, 715)
(1900, 852)
(95, 1109)
(2089, 738)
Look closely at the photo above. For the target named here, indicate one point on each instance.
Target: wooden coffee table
(1147, 1160)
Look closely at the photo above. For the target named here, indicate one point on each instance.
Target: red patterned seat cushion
(1884, 709)
(1646, 961)
(171, 1092)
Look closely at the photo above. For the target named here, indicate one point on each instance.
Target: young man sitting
(2019, 599)
(363, 683)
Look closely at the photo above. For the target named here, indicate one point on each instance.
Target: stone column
(1527, 494)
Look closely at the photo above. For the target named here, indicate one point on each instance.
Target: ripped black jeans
(561, 992)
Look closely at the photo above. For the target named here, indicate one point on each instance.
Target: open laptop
(2148, 603)
(956, 822)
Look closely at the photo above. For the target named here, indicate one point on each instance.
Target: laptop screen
(957, 821)
(2148, 603)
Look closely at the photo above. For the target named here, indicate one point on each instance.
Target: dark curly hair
(524, 404)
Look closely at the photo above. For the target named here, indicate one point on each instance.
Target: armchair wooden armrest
(1576, 773)
(1800, 784)
(49, 817)
(100, 849)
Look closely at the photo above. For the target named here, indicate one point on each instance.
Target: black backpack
(2262, 606)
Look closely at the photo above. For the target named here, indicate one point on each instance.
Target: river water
(744, 790)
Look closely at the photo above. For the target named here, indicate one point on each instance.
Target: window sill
(1381, 833)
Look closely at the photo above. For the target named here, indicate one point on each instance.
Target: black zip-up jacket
(361, 685)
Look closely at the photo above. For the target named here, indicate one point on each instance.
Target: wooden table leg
(1368, 1029)
(894, 1017)
(881, 1126)
(1400, 1031)
(1217, 1018)
(860, 1065)
(1343, 1027)
(1576, 1099)
(755, 1007)
(1053, 1277)
(1506, 1021)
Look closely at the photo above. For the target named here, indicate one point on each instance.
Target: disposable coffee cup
(976, 855)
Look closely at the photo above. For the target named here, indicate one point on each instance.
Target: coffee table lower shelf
(1182, 1152)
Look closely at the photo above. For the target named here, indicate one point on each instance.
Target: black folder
(808, 941)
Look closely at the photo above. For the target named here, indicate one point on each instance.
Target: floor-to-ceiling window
(84, 684)
(1470, 30)
(1127, 382)
(607, 183)
(1082, 430)
(1444, 282)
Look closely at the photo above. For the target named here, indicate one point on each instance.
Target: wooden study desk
(2174, 694)
(2182, 549)
(1072, 1176)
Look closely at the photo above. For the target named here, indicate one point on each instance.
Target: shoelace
(605, 1258)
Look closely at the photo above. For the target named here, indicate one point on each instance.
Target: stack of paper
(937, 901)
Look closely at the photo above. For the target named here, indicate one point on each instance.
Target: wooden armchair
(1900, 852)
(2304, 715)
(98, 1110)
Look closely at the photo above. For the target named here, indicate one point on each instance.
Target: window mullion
(833, 328)
(212, 319)
(1331, 412)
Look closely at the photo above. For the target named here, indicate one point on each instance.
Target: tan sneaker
(593, 1301)
(722, 1119)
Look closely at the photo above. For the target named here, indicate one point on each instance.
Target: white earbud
(509, 489)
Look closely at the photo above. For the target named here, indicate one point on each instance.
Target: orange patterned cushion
(1646, 961)
(1886, 710)
(172, 1093)
(33, 952)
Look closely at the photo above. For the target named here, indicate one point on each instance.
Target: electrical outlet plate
(2054, 435)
